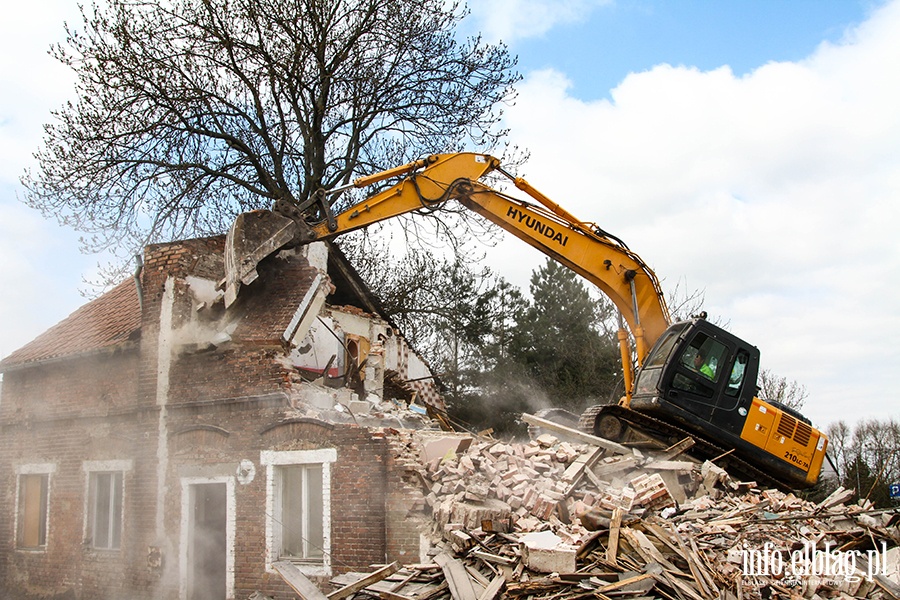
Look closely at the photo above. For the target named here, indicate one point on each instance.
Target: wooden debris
(457, 578)
(349, 590)
(292, 576)
(614, 529)
(621, 532)
(677, 449)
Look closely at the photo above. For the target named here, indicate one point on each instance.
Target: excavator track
(615, 419)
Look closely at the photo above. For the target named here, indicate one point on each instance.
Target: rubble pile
(560, 519)
(568, 520)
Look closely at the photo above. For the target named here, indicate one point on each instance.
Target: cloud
(511, 20)
(775, 192)
(31, 82)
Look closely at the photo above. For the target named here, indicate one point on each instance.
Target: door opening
(207, 543)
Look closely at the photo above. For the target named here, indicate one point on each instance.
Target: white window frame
(90, 468)
(47, 469)
(272, 459)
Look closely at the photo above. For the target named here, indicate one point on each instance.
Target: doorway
(207, 544)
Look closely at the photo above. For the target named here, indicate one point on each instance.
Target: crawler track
(669, 434)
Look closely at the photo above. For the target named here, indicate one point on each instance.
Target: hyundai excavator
(692, 378)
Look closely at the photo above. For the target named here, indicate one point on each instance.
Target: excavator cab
(699, 374)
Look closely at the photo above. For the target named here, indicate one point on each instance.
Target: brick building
(157, 445)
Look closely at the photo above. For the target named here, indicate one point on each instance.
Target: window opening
(703, 356)
(298, 503)
(32, 517)
(301, 519)
(105, 508)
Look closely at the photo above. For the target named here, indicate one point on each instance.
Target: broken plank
(412, 575)
(493, 558)
(576, 435)
(477, 576)
(460, 585)
(365, 582)
(648, 551)
(625, 582)
(677, 448)
(387, 595)
(493, 588)
(298, 582)
(696, 558)
(678, 585)
(437, 591)
(612, 547)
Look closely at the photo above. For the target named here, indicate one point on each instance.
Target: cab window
(736, 378)
(661, 352)
(704, 356)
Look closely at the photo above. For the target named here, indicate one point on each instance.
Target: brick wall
(215, 408)
(63, 414)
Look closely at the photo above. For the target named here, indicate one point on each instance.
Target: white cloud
(40, 269)
(776, 192)
(509, 20)
(31, 82)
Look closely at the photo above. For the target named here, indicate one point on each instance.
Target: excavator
(688, 379)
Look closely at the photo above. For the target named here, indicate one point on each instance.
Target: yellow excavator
(693, 379)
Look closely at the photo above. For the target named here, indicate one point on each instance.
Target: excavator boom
(602, 260)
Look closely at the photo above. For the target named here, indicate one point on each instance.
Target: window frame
(273, 460)
(91, 470)
(46, 471)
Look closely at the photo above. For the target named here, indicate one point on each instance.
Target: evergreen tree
(562, 340)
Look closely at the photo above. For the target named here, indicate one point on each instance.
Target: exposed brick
(223, 405)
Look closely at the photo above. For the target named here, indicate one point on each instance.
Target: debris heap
(569, 520)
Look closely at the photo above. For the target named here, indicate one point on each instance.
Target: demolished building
(159, 445)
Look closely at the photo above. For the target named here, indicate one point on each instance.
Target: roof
(267, 306)
(106, 322)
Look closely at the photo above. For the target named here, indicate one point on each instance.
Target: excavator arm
(583, 247)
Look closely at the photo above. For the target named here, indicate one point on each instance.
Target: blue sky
(611, 40)
(749, 149)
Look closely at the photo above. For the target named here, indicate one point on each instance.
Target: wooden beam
(493, 588)
(677, 448)
(624, 582)
(613, 547)
(578, 436)
(461, 587)
(349, 590)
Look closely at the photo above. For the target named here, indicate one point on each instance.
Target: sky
(746, 149)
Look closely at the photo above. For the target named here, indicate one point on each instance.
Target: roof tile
(111, 319)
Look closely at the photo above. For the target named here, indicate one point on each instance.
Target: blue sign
(895, 491)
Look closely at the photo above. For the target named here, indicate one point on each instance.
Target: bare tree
(189, 112)
(867, 457)
(774, 387)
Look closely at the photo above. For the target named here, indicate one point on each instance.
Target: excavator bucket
(253, 236)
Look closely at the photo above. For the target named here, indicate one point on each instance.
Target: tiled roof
(111, 319)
